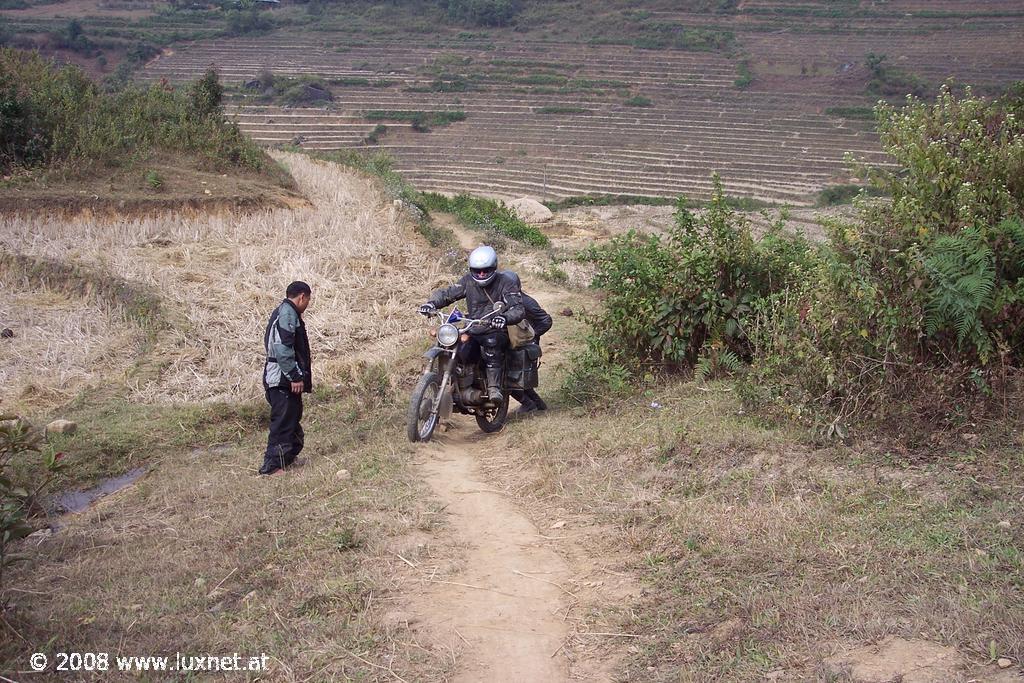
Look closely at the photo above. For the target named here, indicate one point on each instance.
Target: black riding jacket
(538, 317)
(480, 300)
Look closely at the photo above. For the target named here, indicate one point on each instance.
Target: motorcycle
(449, 385)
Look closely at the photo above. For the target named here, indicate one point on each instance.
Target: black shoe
(526, 409)
(540, 404)
(494, 395)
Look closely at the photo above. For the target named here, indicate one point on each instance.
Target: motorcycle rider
(483, 287)
(541, 322)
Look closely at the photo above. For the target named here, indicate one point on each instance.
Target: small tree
(206, 95)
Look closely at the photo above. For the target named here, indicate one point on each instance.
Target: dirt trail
(504, 607)
(505, 611)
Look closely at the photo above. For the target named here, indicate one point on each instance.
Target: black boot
(538, 402)
(494, 385)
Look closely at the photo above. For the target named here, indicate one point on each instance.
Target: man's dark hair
(296, 288)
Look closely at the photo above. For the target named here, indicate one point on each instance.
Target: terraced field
(552, 119)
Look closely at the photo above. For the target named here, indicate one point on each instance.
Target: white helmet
(483, 265)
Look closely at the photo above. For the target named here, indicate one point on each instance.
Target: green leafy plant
(154, 180)
(16, 501)
(639, 101)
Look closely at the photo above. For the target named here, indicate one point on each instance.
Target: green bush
(483, 12)
(744, 76)
(690, 297)
(488, 216)
(888, 81)
(913, 308)
(560, 109)
(421, 121)
(16, 501)
(56, 117)
(639, 101)
(835, 195)
(247, 22)
(921, 290)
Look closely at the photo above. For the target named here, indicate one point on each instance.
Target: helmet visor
(482, 273)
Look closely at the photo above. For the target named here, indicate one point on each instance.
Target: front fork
(445, 381)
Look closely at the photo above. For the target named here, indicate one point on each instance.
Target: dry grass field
(218, 276)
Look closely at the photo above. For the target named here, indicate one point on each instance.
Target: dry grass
(763, 554)
(221, 275)
(201, 556)
(59, 344)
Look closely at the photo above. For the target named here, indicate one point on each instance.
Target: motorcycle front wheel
(493, 419)
(420, 419)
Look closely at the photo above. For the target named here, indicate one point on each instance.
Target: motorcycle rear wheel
(494, 419)
(420, 418)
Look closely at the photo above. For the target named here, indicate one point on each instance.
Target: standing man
(287, 375)
(541, 322)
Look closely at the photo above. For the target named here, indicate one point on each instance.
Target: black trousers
(286, 437)
(489, 347)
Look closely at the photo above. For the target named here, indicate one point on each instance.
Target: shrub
(247, 22)
(925, 289)
(206, 95)
(835, 195)
(488, 216)
(639, 101)
(690, 297)
(483, 12)
(16, 439)
(559, 109)
(915, 307)
(57, 117)
(421, 121)
(888, 81)
(744, 76)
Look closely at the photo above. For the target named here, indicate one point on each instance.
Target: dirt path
(506, 610)
(505, 607)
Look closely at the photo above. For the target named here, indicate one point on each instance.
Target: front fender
(435, 351)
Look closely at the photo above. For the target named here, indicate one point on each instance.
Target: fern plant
(963, 280)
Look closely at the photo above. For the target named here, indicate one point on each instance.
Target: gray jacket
(287, 348)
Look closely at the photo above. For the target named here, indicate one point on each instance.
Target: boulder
(313, 93)
(61, 427)
(7, 333)
(530, 210)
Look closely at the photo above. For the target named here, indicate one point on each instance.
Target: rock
(254, 84)
(7, 333)
(558, 525)
(199, 583)
(343, 475)
(1004, 663)
(1005, 524)
(567, 312)
(251, 595)
(530, 210)
(61, 427)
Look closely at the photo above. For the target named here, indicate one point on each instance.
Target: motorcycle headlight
(447, 335)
